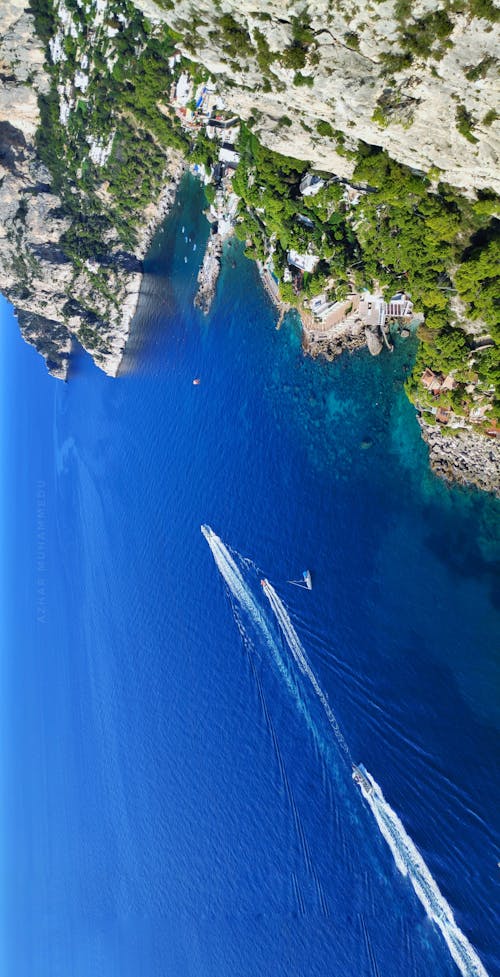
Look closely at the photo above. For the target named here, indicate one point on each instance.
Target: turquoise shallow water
(173, 803)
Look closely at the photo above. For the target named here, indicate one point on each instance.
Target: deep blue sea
(174, 799)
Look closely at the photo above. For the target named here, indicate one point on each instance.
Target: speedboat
(361, 780)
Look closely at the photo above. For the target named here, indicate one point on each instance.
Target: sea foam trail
(293, 642)
(405, 853)
(234, 579)
(407, 857)
(245, 600)
(410, 863)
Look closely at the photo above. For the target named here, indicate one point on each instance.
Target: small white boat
(305, 583)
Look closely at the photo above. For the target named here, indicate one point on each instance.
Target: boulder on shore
(373, 341)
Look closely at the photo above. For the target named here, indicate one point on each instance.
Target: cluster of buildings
(202, 108)
(437, 384)
(194, 106)
(372, 310)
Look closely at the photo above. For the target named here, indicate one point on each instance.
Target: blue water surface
(172, 804)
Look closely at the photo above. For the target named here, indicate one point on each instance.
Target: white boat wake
(410, 863)
(293, 642)
(229, 569)
(406, 855)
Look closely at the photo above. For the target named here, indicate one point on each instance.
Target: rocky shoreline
(154, 215)
(156, 212)
(330, 346)
(209, 273)
(469, 458)
(58, 298)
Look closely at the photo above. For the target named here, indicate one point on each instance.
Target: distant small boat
(185, 260)
(194, 247)
(196, 381)
(306, 581)
(182, 230)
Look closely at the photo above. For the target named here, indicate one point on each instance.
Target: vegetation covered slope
(404, 233)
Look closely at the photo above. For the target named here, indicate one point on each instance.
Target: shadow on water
(169, 282)
(79, 361)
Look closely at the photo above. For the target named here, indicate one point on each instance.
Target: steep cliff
(60, 288)
(417, 79)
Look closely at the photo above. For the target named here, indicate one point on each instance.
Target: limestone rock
(465, 457)
(348, 81)
(55, 301)
(373, 341)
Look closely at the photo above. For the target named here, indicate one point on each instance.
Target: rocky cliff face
(56, 298)
(464, 457)
(420, 80)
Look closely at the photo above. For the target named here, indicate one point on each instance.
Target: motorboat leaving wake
(406, 855)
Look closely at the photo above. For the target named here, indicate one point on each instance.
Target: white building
(400, 306)
(228, 155)
(321, 306)
(183, 89)
(306, 262)
(310, 185)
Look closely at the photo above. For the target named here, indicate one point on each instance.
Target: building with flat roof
(228, 154)
(372, 310)
(310, 185)
(306, 262)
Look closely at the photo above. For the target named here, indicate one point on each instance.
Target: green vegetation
(352, 40)
(300, 79)
(477, 282)
(324, 129)
(43, 13)
(474, 72)
(380, 117)
(235, 39)
(265, 57)
(296, 55)
(490, 117)
(419, 36)
(485, 9)
(465, 123)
